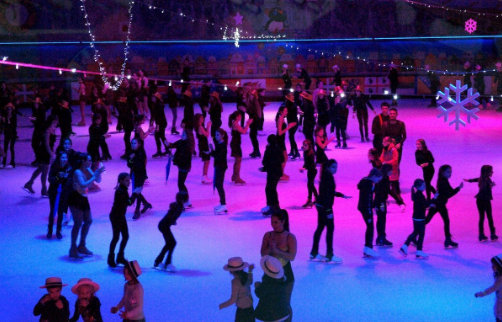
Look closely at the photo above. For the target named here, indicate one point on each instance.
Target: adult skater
(484, 201)
(281, 244)
(121, 201)
(292, 117)
(339, 114)
(425, 160)
(183, 160)
(234, 123)
(159, 117)
(255, 113)
(282, 128)
(396, 129)
(308, 116)
(302, 74)
(309, 165)
(220, 166)
(215, 110)
(83, 177)
(325, 217)
(172, 101)
(445, 192)
(361, 102)
(286, 78)
(272, 164)
(203, 133)
(365, 205)
(58, 175)
(137, 163)
(378, 126)
(381, 191)
(8, 116)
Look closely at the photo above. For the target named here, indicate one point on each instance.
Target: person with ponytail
(58, 175)
(281, 244)
(118, 220)
(137, 163)
(484, 201)
(220, 166)
(496, 262)
(235, 143)
(202, 133)
(425, 160)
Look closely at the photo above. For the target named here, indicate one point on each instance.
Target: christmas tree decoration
(457, 104)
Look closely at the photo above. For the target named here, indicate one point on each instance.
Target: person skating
(365, 205)
(137, 163)
(361, 102)
(272, 165)
(382, 189)
(58, 176)
(393, 77)
(255, 113)
(484, 201)
(220, 166)
(183, 160)
(215, 110)
(445, 192)
(496, 262)
(425, 160)
(203, 133)
(396, 129)
(8, 116)
(309, 165)
(292, 117)
(303, 75)
(378, 126)
(339, 114)
(325, 216)
(132, 301)
(420, 205)
(175, 210)
(390, 156)
(282, 128)
(159, 117)
(234, 122)
(308, 116)
(121, 201)
(321, 144)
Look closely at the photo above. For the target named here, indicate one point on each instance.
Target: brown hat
(306, 95)
(53, 282)
(188, 93)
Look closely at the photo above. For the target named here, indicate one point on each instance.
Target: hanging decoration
(471, 25)
(97, 55)
(454, 10)
(457, 104)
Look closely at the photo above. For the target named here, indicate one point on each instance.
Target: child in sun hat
(241, 291)
(53, 306)
(496, 287)
(132, 301)
(273, 303)
(87, 304)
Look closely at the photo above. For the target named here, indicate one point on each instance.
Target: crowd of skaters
(71, 174)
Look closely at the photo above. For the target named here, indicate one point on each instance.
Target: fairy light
(5, 58)
(386, 92)
(236, 37)
(74, 70)
(17, 66)
(60, 72)
(97, 56)
(449, 9)
(225, 88)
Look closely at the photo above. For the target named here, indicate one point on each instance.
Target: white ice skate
(170, 268)
(220, 210)
(205, 180)
(404, 250)
(317, 258)
(421, 255)
(187, 204)
(333, 260)
(369, 253)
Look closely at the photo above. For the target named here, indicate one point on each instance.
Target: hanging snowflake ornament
(471, 25)
(457, 104)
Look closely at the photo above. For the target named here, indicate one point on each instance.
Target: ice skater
(282, 128)
(58, 198)
(132, 301)
(220, 166)
(325, 217)
(183, 160)
(484, 201)
(53, 306)
(137, 163)
(420, 205)
(202, 133)
(235, 143)
(381, 194)
(309, 165)
(241, 289)
(175, 210)
(445, 192)
(272, 165)
(118, 220)
(365, 205)
(496, 287)
(425, 160)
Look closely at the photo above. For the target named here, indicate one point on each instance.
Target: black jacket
(220, 155)
(365, 187)
(327, 190)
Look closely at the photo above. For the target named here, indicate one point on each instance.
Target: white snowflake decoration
(471, 25)
(457, 104)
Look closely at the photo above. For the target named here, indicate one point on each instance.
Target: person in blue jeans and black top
(324, 206)
(365, 205)
(484, 201)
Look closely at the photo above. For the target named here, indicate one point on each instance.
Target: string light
(97, 56)
(449, 9)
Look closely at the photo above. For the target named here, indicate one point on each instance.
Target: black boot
(450, 243)
(121, 259)
(111, 260)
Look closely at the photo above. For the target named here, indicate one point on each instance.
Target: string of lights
(347, 56)
(455, 10)
(97, 55)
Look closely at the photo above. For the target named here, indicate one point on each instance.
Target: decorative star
(238, 19)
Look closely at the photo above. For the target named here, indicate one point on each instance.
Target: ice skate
(220, 210)
(369, 253)
(333, 259)
(421, 255)
(317, 258)
(404, 250)
(170, 268)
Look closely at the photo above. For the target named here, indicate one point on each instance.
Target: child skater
(87, 305)
(174, 212)
(58, 175)
(202, 136)
(241, 289)
(137, 164)
(420, 204)
(271, 291)
(365, 205)
(309, 165)
(235, 143)
(118, 220)
(496, 287)
(445, 192)
(132, 301)
(484, 201)
(220, 166)
(183, 160)
(53, 306)
(321, 143)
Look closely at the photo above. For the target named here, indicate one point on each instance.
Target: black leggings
(292, 142)
(395, 192)
(61, 206)
(428, 174)
(219, 177)
(362, 119)
(170, 243)
(271, 189)
(310, 183)
(127, 141)
(485, 206)
(182, 177)
(370, 228)
(418, 230)
(160, 137)
(119, 227)
(381, 212)
(253, 134)
(324, 219)
(444, 214)
(9, 139)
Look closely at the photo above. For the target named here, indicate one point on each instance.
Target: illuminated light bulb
(342, 95)
(17, 66)
(73, 70)
(128, 76)
(291, 90)
(491, 99)
(386, 92)
(60, 72)
(225, 88)
(332, 94)
(237, 83)
(5, 58)
(437, 97)
(116, 78)
(280, 88)
(170, 83)
(181, 81)
(395, 96)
